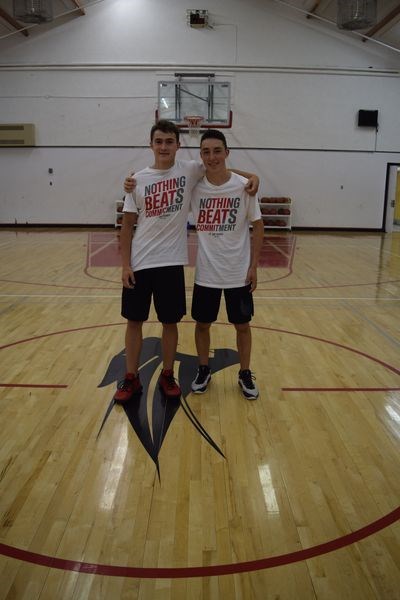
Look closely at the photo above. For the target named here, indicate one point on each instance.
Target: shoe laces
(247, 377)
(126, 384)
(202, 372)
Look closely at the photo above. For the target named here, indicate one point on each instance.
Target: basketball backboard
(195, 94)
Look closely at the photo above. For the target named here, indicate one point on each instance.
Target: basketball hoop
(194, 124)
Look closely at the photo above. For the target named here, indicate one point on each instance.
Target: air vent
(17, 134)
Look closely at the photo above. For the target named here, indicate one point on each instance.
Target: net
(194, 124)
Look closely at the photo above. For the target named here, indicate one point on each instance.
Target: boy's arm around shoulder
(253, 182)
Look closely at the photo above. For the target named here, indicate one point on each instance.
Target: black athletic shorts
(238, 302)
(167, 287)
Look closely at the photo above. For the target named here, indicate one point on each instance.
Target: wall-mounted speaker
(368, 118)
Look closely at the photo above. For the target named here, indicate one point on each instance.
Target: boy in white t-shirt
(227, 258)
(153, 254)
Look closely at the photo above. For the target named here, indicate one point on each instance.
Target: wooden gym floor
(293, 496)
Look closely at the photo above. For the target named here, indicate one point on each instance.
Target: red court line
(211, 570)
(341, 389)
(271, 249)
(331, 343)
(45, 335)
(289, 266)
(100, 236)
(88, 264)
(32, 385)
(103, 253)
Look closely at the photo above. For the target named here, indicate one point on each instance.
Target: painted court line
(209, 570)
(102, 247)
(32, 385)
(332, 545)
(341, 389)
(359, 314)
(189, 294)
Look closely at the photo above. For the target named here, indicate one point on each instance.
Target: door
(392, 186)
(396, 217)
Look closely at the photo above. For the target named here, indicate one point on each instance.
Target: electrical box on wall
(13, 135)
(197, 18)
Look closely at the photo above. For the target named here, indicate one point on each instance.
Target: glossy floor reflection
(295, 495)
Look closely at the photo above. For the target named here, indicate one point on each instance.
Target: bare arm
(128, 222)
(256, 245)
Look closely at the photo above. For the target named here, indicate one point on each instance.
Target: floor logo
(163, 409)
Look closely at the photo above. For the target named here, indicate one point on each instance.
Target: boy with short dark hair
(227, 258)
(154, 253)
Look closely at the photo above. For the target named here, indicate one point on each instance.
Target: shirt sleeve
(129, 204)
(254, 212)
(201, 168)
(198, 169)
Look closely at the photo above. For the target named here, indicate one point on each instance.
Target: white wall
(330, 189)
(90, 86)
(270, 110)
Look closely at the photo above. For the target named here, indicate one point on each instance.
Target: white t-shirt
(222, 214)
(162, 200)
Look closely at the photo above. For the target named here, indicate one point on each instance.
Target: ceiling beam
(389, 17)
(77, 4)
(4, 15)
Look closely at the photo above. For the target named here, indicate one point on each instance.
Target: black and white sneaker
(199, 385)
(246, 382)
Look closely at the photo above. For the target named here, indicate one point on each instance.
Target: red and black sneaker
(130, 386)
(168, 385)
